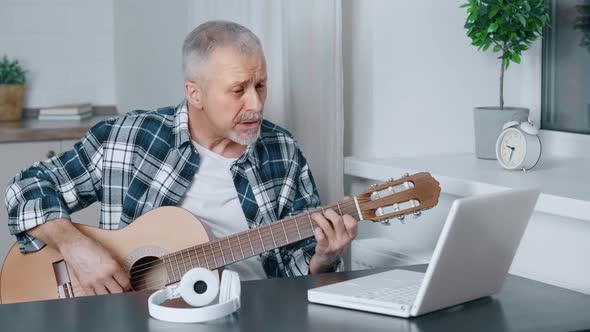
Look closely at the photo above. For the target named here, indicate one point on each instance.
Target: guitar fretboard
(215, 254)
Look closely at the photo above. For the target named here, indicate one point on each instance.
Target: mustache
(250, 117)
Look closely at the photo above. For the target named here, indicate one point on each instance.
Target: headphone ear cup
(199, 287)
(230, 286)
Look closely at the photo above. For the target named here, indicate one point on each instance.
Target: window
(566, 67)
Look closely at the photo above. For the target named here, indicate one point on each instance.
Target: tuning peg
(402, 219)
(373, 185)
(385, 222)
(390, 180)
(417, 214)
(406, 175)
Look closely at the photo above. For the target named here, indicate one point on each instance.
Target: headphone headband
(229, 297)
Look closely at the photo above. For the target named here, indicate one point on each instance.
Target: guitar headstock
(410, 194)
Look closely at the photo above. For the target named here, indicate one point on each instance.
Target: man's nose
(254, 102)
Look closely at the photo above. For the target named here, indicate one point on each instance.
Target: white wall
(66, 46)
(411, 81)
(106, 52)
(148, 44)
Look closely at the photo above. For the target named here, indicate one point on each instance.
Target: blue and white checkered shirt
(143, 160)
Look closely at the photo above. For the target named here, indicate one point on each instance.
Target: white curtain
(302, 41)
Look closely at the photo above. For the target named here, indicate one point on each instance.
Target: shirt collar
(250, 154)
(181, 130)
(183, 135)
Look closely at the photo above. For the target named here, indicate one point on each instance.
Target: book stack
(66, 112)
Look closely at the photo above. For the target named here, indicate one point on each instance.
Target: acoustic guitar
(161, 245)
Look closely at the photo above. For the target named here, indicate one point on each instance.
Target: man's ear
(194, 94)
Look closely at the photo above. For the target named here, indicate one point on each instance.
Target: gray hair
(202, 41)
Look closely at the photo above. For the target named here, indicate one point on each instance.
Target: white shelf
(564, 182)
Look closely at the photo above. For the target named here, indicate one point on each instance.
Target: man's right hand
(95, 268)
(97, 271)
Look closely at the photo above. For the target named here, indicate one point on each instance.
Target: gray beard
(251, 136)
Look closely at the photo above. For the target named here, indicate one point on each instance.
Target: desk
(281, 305)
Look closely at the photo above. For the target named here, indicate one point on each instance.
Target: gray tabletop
(281, 305)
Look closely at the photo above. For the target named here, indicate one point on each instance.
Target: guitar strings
(233, 250)
(216, 249)
(155, 264)
(212, 252)
(263, 228)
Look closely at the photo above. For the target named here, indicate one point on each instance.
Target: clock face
(511, 148)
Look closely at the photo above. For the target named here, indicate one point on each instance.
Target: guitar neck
(237, 247)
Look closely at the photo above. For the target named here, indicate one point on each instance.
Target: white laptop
(471, 259)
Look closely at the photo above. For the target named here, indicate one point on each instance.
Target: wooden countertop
(30, 129)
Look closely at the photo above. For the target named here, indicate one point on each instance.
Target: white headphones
(198, 287)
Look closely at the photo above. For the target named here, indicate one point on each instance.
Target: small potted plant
(509, 27)
(12, 90)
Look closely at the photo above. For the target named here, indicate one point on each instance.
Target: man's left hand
(333, 235)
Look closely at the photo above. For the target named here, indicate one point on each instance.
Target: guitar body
(31, 277)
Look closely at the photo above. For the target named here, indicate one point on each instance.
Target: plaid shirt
(143, 160)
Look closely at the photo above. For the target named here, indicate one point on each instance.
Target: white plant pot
(488, 122)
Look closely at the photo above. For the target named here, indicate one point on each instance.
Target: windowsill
(564, 181)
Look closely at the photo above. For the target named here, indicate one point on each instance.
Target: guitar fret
(171, 278)
(310, 223)
(177, 267)
(297, 226)
(197, 257)
(272, 235)
(286, 238)
(240, 244)
(213, 253)
(205, 256)
(231, 250)
(339, 209)
(222, 254)
(189, 261)
(261, 241)
(250, 240)
(183, 262)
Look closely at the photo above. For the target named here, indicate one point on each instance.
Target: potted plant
(12, 90)
(509, 27)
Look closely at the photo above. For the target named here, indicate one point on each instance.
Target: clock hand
(511, 152)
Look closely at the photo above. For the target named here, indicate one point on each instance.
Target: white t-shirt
(212, 198)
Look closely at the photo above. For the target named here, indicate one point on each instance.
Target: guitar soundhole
(148, 273)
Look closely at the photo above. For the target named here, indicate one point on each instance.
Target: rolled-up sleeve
(56, 187)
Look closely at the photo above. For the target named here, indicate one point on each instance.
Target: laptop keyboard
(404, 295)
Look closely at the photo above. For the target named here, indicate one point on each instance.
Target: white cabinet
(17, 156)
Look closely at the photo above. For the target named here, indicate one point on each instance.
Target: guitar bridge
(64, 284)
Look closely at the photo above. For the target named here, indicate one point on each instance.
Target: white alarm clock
(518, 147)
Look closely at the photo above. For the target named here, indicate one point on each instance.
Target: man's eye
(260, 86)
(238, 91)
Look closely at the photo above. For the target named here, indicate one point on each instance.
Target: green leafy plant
(11, 72)
(508, 26)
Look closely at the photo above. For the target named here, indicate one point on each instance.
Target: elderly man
(213, 155)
